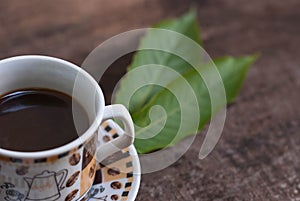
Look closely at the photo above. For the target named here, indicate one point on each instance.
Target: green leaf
(186, 25)
(165, 94)
(232, 71)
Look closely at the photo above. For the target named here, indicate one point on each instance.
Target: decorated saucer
(117, 177)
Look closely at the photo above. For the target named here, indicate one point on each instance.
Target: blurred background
(257, 157)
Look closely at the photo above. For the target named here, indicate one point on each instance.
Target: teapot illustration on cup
(46, 186)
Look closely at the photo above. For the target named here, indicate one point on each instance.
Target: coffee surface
(39, 119)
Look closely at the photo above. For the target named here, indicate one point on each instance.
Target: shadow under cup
(65, 172)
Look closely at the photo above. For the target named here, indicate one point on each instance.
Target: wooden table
(257, 157)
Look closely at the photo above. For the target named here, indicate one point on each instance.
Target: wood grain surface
(257, 157)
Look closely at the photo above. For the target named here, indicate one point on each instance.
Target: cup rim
(78, 141)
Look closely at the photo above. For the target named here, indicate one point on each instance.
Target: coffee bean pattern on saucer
(114, 197)
(114, 175)
(113, 171)
(116, 185)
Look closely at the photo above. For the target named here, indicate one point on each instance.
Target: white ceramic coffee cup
(66, 172)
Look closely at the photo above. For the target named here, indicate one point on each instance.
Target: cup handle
(120, 112)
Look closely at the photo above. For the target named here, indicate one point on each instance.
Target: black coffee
(39, 119)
